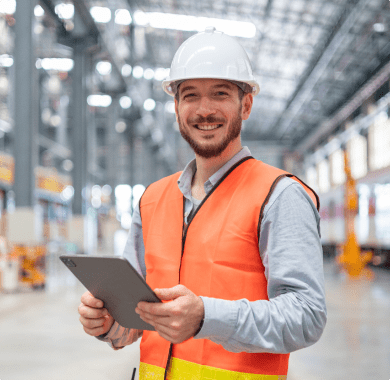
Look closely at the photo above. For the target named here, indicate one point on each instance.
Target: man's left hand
(177, 320)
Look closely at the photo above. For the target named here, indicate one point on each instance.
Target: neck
(206, 167)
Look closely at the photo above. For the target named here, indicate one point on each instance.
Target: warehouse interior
(85, 128)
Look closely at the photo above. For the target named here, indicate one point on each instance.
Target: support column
(79, 130)
(23, 226)
(77, 227)
(112, 143)
(26, 105)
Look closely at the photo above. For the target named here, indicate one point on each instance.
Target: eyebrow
(217, 86)
(188, 88)
(223, 85)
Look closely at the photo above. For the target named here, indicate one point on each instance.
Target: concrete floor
(42, 339)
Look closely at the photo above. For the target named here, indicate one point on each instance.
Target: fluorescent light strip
(191, 23)
(58, 64)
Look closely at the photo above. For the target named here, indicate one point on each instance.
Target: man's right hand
(95, 319)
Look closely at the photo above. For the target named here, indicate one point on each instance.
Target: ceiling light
(8, 7)
(122, 17)
(67, 165)
(138, 72)
(99, 100)
(191, 23)
(96, 191)
(6, 60)
(104, 67)
(141, 18)
(161, 74)
(68, 192)
(149, 74)
(64, 11)
(106, 190)
(379, 27)
(38, 11)
(101, 14)
(149, 104)
(120, 126)
(126, 70)
(170, 107)
(58, 64)
(123, 192)
(125, 102)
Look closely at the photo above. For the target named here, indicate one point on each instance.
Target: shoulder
(289, 195)
(154, 190)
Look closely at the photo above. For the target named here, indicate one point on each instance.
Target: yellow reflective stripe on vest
(183, 370)
(150, 372)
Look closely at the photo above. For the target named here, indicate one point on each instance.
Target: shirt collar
(185, 179)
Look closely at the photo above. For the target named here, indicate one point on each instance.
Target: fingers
(95, 319)
(156, 320)
(92, 323)
(90, 312)
(96, 331)
(171, 293)
(88, 299)
(161, 309)
(97, 326)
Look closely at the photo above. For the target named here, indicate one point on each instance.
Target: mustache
(209, 120)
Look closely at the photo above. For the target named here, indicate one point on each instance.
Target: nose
(205, 107)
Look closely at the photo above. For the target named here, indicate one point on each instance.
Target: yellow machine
(351, 259)
(32, 264)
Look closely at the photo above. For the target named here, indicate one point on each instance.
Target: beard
(206, 150)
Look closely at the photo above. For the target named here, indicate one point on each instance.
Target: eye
(222, 93)
(188, 95)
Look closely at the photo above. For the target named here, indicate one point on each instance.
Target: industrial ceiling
(309, 56)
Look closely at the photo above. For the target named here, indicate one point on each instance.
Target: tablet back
(114, 281)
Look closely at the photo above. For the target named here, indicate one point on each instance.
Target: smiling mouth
(207, 127)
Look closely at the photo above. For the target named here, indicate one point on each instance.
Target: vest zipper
(185, 229)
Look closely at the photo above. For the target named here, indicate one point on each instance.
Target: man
(231, 243)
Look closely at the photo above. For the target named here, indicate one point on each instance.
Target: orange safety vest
(217, 256)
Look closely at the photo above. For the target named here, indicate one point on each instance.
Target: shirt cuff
(220, 318)
(108, 336)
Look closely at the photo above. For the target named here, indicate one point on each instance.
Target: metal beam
(107, 45)
(54, 147)
(318, 70)
(26, 105)
(331, 124)
(47, 5)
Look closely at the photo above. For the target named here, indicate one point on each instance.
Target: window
(379, 142)
(337, 167)
(357, 152)
(323, 176)
(311, 177)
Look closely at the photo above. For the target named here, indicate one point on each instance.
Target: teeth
(208, 127)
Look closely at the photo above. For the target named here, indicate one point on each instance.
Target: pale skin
(180, 318)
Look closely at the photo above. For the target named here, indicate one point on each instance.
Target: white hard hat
(211, 54)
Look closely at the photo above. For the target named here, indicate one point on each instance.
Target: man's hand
(95, 319)
(175, 321)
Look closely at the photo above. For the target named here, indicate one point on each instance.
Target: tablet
(113, 280)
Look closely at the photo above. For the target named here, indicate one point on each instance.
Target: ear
(247, 102)
(176, 108)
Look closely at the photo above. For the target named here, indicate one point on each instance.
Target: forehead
(205, 84)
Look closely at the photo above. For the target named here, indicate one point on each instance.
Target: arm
(118, 336)
(295, 315)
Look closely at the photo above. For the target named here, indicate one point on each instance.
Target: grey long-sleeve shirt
(290, 248)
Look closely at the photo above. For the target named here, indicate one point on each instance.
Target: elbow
(313, 329)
